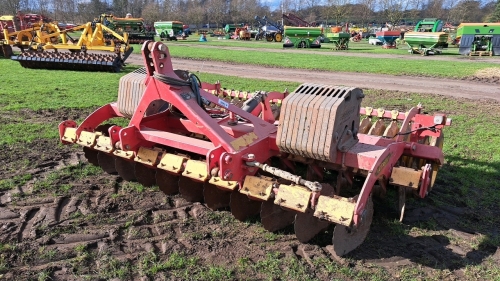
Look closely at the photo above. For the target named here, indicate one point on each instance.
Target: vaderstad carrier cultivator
(44, 47)
(294, 158)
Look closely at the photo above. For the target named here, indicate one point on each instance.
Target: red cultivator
(263, 152)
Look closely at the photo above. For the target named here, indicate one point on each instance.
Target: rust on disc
(215, 198)
(106, 162)
(191, 191)
(274, 218)
(145, 175)
(125, 169)
(243, 208)
(91, 155)
(346, 239)
(168, 183)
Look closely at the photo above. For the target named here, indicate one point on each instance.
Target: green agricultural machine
(169, 30)
(302, 37)
(426, 43)
(429, 25)
(339, 39)
(479, 39)
(135, 27)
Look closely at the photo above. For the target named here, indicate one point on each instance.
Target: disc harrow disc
(106, 162)
(191, 191)
(125, 169)
(243, 208)
(215, 198)
(274, 218)
(168, 183)
(70, 61)
(144, 175)
(346, 239)
(306, 225)
(91, 155)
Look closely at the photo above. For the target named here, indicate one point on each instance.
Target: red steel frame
(229, 146)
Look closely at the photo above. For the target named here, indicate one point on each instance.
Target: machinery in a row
(47, 47)
(268, 30)
(479, 39)
(302, 158)
(426, 43)
(302, 37)
(138, 32)
(170, 30)
(11, 25)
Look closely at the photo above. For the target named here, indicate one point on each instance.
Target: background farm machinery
(426, 43)
(268, 30)
(479, 39)
(339, 39)
(137, 31)
(388, 38)
(294, 20)
(43, 47)
(170, 30)
(237, 31)
(257, 153)
(302, 37)
(12, 25)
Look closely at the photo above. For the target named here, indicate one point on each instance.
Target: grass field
(469, 179)
(325, 62)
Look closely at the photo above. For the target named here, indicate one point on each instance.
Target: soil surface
(103, 228)
(473, 87)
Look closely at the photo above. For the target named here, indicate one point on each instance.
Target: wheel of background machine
(269, 38)
(278, 37)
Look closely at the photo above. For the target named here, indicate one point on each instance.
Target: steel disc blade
(168, 183)
(91, 155)
(243, 208)
(346, 239)
(107, 162)
(125, 169)
(307, 226)
(215, 198)
(191, 191)
(274, 218)
(401, 202)
(144, 175)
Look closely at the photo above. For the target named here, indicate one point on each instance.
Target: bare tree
(151, 13)
(434, 9)
(338, 10)
(396, 10)
(466, 11)
(366, 10)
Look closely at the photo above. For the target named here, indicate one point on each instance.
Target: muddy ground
(70, 221)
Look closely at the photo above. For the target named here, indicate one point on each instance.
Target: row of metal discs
(273, 217)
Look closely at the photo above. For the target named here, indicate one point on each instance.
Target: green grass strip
(325, 62)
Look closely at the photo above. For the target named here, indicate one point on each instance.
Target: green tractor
(170, 30)
(135, 27)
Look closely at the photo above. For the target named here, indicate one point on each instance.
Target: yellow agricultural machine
(302, 158)
(46, 46)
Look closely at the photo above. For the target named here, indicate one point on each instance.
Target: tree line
(220, 12)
